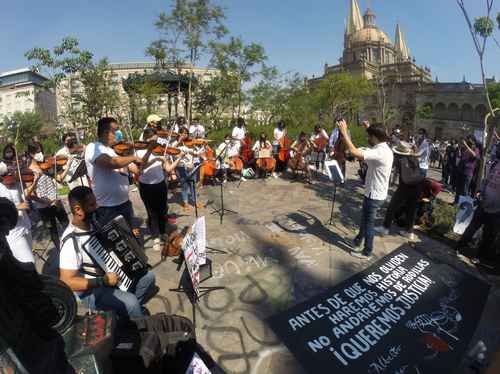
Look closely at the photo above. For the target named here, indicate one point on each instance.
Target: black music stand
(190, 178)
(335, 175)
(221, 211)
(185, 286)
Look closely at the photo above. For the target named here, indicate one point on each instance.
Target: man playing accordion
(97, 289)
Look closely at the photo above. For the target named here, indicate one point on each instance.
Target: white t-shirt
(63, 152)
(238, 133)
(19, 238)
(258, 146)
(71, 258)
(278, 134)
(153, 174)
(379, 160)
(424, 152)
(197, 131)
(110, 186)
(230, 150)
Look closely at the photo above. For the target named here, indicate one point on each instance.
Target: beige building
(457, 108)
(22, 91)
(119, 73)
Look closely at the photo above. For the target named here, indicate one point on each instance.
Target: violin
(27, 176)
(124, 149)
(196, 142)
(160, 150)
(166, 134)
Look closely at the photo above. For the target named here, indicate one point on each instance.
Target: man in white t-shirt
(109, 174)
(19, 238)
(196, 130)
(423, 150)
(96, 289)
(239, 130)
(379, 159)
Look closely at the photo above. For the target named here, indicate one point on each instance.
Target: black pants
(490, 223)
(154, 197)
(405, 196)
(51, 215)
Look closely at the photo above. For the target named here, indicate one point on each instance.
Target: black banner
(404, 314)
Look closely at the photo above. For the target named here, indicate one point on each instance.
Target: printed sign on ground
(404, 314)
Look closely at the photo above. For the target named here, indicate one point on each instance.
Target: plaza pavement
(280, 251)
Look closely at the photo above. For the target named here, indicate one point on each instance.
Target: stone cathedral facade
(457, 108)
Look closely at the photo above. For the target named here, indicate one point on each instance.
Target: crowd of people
(181, 156)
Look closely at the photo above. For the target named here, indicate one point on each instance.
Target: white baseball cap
(153, 118)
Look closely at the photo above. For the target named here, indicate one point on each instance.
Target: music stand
(222, 210)
(190, 178)
(185, 286)
(335, 175)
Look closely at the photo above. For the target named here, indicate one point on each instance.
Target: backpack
(154, 344)
(411, 174)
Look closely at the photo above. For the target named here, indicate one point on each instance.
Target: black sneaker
(361, 256)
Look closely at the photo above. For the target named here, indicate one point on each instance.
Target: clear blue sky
(298, 35)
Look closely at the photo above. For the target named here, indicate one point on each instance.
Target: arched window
(467, 113)
(454, 112)
(480, 113)
(440, 111)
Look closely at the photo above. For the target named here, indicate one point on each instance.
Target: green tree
(267, 96)
(21, 127)
(186, 32)
(215, 97)
(340, 95)
(424, 111)
(144, 98)
(238, 60)
(97, 95)
(480, 31)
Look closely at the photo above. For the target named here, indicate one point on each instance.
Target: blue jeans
(187, 188)
(122, 303)
(366, 228)
(105, 214)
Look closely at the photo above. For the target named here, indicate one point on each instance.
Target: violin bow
(17, 163)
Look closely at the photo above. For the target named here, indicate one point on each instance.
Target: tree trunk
(188, 103)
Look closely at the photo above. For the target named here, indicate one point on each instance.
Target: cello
(285, 147)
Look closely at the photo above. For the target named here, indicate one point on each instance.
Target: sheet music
(46, 188)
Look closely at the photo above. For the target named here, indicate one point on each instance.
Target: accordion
(115, 249)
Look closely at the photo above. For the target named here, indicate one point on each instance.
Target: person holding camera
(379, 159)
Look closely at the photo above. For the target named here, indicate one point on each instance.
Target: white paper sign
(189, 246)
(334, 172)
(197, 366)
(464, 214)
(199, 228)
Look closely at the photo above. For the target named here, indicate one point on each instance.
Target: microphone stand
(222, 210)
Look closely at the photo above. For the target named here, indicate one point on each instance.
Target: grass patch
(444, 219)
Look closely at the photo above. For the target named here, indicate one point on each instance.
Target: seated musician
(301, 149)
(43, 193)
(97, 290)
(265, 162)
(153, 189)
(109, 174)
(226, 152)
(319, 140)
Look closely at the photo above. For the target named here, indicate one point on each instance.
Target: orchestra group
(99, 175)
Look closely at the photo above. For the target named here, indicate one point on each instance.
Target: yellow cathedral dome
(370, 34)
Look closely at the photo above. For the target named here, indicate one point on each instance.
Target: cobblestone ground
(280, 251)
